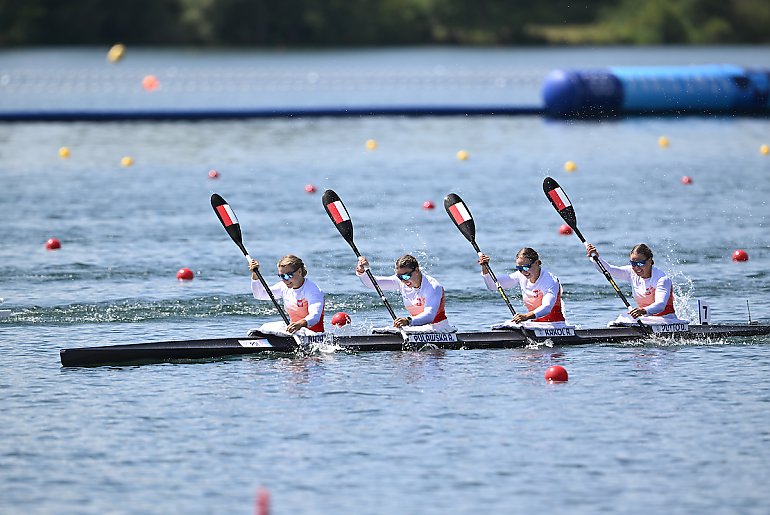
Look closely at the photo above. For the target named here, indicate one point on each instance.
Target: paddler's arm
(385, 282)
(662, 293)
(505, 280)
(256, 285)
(615, 271)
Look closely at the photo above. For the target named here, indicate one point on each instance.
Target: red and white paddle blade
(460, 215)
(338, 214)
(228, 219)
(560, 201)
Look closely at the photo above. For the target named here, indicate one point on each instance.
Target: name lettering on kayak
(554, 331)
(432, 338)
(317, 339)
(670, 328)
(261, 342)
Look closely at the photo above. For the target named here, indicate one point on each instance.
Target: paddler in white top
(651, 287)
(302, 299)
(423, 295)
(540, 289)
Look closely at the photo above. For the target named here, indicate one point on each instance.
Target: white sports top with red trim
(543, 297)
(656, 294)
(305, 302)
(424, 304)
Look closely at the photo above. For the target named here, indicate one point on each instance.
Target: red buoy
(263, 501)
(213, 174)
(309, 188)
(428, 205)
(52, 244)
(686, 179)
(340, 319)
(738, 255)
(185, 274)
(565, 229)
(556, 374)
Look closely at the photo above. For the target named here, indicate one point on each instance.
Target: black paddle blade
(228, 219)
(339, 215)
(560, 201)
(461, 216)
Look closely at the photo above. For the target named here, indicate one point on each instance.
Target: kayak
(259, 343)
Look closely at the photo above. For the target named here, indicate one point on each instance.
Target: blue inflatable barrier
(723, 89)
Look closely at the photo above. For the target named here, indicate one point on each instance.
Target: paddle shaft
(267, 289)
(370, 275)
(494, 278)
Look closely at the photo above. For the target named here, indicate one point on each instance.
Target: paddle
(339, 215)
(561, 202)
(229, 221)
(461, 216)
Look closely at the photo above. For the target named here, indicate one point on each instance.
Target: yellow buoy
(115, 53)
(764, 150)
(127, 161)
(663, 142)
(462, 155)
(570, 166)
(64, 152)
(371, 144)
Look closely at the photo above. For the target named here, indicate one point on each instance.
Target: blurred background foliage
(340, 23)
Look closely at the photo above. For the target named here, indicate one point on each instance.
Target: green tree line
(306, 23)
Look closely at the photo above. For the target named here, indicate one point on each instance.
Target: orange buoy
(150, 83)
(740, 255)
(686, 179)
(52, 244)
(556, 374)
(309, 188)
(185, 274)
(428, 205)
(213, 174)
(565, 230)
(340, 319)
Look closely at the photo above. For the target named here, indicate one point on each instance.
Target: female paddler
(302, 299)
(423, 295)
(540, 289)
(651, 287)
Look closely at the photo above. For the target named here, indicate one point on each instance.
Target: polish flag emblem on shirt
(559, 198)
(459, 213)
(338, 212)
(227, 215)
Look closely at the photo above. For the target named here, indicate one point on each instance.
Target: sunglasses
(287, 277)
(405, 277)
(638, 264)
(524, 268)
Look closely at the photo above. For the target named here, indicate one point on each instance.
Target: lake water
(650, 427)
